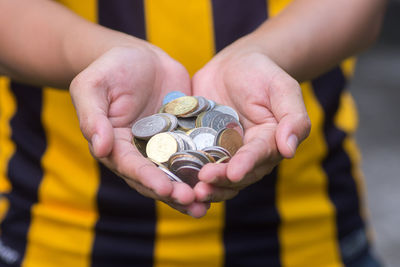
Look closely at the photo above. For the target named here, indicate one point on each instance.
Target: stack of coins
(187, 133)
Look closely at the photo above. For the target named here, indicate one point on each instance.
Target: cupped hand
(271, 110)
(121, 86)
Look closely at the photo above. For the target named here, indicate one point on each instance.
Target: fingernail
(292, 143)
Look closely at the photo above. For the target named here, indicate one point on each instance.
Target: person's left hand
(271, 110)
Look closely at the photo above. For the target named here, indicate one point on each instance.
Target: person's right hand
(122, 86)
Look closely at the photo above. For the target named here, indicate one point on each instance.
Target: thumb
(91, 104)
(288, 107)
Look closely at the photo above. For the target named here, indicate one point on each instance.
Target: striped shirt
(62, 208)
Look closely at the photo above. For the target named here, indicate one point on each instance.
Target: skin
(100, 66)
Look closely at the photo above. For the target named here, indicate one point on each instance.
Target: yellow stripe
(7, 147)
(62, 224)
(348, 67)
(276, 6)
(61, 231)
(184, 30)
(86, 9)
(308, 228)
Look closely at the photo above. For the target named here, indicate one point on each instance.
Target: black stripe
(236, 18)
(251, 227)
(123, 15)
(24, 169)
(342, 188)
(251, 218)
(125, 231)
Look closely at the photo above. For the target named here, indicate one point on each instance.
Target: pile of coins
(187, 133)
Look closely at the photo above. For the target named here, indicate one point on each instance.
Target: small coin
(172, 119)
(207, 117)
(217, 152)
(211, 105)
(187, 123)
(229, 139)
(203, 137)
(220, 121)
(198, 122)
(201, 155)
(172, 96)
(223, 160)
(188, 174)
(149, 126)
(161, 110)
(161, 146)
(179, 140)
(181, 106)
(178, 161)
(227, 110)
(140, 145)
(189, 144)
(202, 106)
(170, 175)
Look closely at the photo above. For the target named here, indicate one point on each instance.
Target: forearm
(311, 36)
(46, 44)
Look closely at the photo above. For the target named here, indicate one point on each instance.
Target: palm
(245, 88)
(110, 95)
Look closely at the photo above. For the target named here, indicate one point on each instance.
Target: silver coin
(179, 140)
(147, 127)
(173, 120)
(199, 155)
(170, 174)
(212, 104)
(203, 137)
(217, 152)
(222, 120)
(227, 110)
(208, 117)
(203, 103)
(189, 144)
(187, 123)
(188, 174)
(178, 161)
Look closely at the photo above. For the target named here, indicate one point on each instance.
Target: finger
(195, 210)
(211, 193)
(214, 174)
(259, 146)
(91, 104)
(288, 107)
(127, 161)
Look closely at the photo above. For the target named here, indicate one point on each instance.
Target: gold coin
(191, 130)
(223, 160)
(161, 146)
(140, 145)
(181, 106)
(161, 110)
(199, 122)
(230, 139)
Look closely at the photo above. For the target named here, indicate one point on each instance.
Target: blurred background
(376, 89)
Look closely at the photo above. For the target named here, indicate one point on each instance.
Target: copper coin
(188, 174)
(229, 139)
